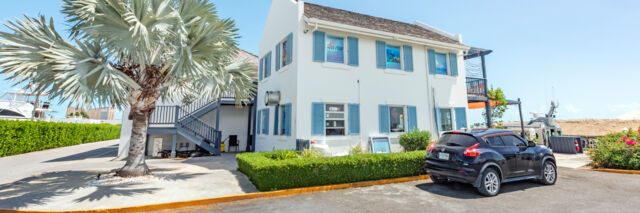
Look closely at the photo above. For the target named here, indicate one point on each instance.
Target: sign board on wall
(380, 145)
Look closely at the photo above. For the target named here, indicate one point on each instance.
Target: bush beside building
(282, 169)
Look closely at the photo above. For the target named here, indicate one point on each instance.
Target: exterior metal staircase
(185, 121)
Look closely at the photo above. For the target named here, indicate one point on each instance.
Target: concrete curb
(623, 171)
(224, 199)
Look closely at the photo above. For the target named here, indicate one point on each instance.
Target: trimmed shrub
(617, 151)
(17, 137)
(415, 140)
(269, 173)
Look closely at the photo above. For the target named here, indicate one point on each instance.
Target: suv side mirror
(531, 144)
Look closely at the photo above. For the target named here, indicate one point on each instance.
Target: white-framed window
(446, 119)
(334, 49)
(397, 119)
(335, 119)
(441, 63)
(393, 56)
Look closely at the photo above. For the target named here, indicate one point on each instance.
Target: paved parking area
(59, 179)
(575, 191)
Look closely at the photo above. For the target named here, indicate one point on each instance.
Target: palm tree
(129, 53)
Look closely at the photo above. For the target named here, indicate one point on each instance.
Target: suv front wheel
(549, 173)
(490, 183)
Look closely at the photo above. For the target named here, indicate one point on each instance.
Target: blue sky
(581, 53)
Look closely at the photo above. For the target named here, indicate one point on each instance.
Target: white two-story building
(338, 78)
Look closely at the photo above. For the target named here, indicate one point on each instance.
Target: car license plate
(443, 156)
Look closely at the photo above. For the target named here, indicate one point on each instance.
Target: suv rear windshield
(457, 140)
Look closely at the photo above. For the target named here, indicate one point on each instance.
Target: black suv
(487, 158)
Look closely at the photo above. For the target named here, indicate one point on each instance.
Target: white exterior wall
(233, 121)
(339, 83)
(285, 17)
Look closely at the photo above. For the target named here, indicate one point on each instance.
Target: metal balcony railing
(476, 86)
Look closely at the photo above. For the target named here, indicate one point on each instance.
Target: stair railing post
(174, 137)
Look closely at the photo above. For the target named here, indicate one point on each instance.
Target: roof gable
(372, 22)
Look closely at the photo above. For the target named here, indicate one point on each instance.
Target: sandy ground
(66, 179)
(595, 127)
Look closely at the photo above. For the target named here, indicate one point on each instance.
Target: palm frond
(79, 73)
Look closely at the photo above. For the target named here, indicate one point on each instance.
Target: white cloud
(633, 114)
(625, 107)
(572, 109)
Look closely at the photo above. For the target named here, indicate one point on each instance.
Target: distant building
(104, 113)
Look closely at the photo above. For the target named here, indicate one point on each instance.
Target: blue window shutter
(381, 56)
(275, 119)
(277, 61)
(258, 121)
(266, 121)
(317, 118)
(453, 63)
(287, 119)
(289, 48)
(383, 118)
(354, 119)
(318, 46)
(261, 68)
(267, 70)
(408, 58)
(412, 119)
(431, 55)
(353, 51)
(438, 119)
(461, 117)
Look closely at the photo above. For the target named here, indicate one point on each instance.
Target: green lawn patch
(286, 169)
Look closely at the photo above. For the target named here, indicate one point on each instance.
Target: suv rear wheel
(549, 173)
(490, 183)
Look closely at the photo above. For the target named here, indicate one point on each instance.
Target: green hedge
(17, 137)
(268, 173)
(617, 151)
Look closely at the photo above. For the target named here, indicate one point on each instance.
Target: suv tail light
(471, 151)
(431, 146)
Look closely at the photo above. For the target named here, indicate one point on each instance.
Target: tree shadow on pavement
(44, 188)
(467, 191)
(110, 151)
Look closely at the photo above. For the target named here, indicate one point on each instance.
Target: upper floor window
(393, 57)
(284, 49)
(335, 49)
(441, 63)
(284, 55)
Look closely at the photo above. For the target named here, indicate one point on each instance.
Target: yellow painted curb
(224, 199)
(618, 171)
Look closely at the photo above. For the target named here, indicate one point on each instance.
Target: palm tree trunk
(141, 108)
(136, 165)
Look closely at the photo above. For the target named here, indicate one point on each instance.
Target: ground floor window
(334, 119)
(396, 118)
(446, 123)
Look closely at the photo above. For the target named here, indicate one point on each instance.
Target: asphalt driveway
(575, 191)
